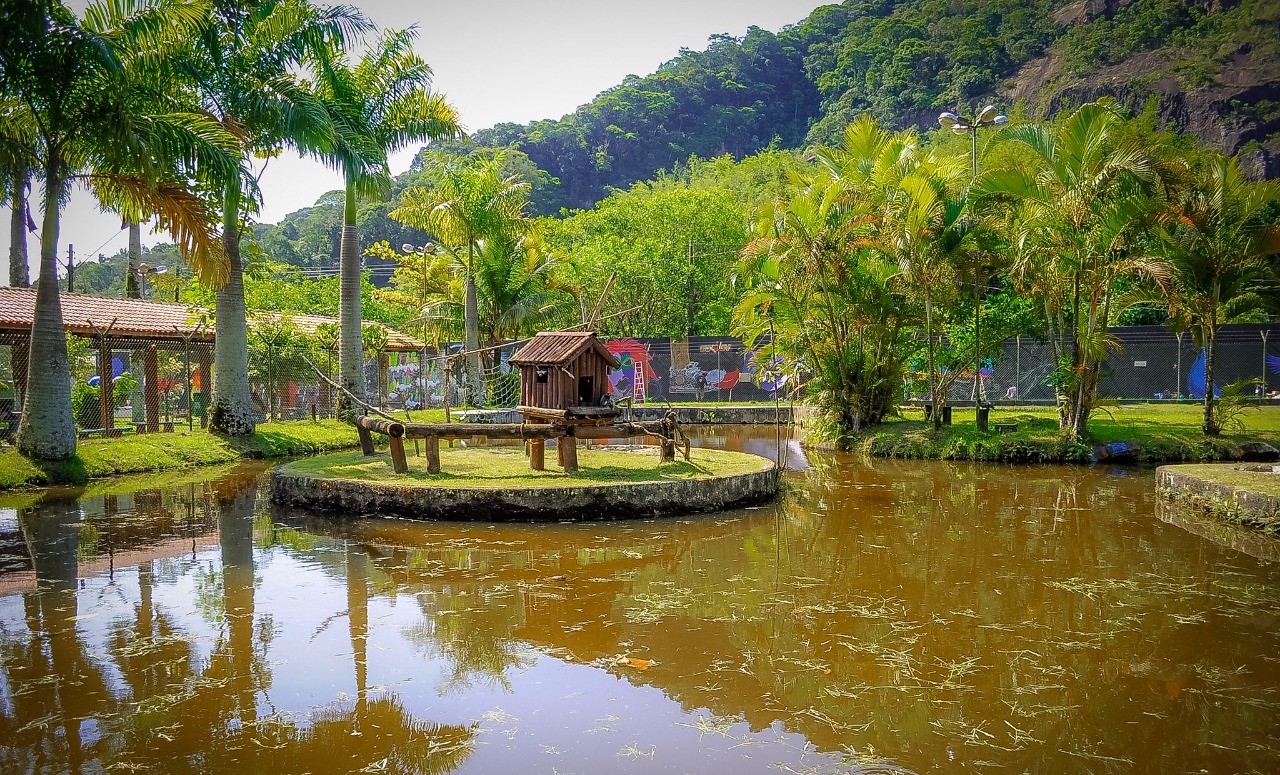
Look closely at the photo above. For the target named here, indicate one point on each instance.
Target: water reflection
(881, 617)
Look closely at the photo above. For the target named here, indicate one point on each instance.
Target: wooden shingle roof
(558, 348)
(145, 319)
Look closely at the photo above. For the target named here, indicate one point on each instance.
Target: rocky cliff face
(1229, 99)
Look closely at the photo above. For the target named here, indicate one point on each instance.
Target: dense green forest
(1212, 69)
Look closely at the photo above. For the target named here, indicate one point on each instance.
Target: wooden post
(398, 462)
(433, 454)
(366, 439)
(151, 387)
(106, 406)
(206, 383)
(537, 454)
(668, 447)
(569, 456)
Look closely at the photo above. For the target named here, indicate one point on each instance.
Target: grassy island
(495, 484)
(507, 467)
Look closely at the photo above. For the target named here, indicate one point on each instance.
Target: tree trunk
(232, 407)
(1210, 355)
(350, 348)
(472, 312)
(19, 274)
(132, 282)
(934, 398)
(48, 431)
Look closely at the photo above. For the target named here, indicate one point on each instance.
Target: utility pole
(693, 314)
(71, 268)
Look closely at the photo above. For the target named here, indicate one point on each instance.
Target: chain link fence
(292, 380)
(1151, 364)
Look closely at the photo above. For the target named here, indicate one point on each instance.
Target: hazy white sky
(496, 60)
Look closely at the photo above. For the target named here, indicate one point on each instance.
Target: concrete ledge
(1242, 494)
(573, 503)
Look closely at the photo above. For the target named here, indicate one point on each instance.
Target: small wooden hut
(565, 375)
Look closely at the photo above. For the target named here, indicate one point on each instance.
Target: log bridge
(565, 427)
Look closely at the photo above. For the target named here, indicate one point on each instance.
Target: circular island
(495, 484)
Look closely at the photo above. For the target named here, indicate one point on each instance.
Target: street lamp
(986, 117)
(145, 270)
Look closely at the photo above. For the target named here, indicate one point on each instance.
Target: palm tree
(1217, 238)
(240, 70)
(1089, 191)
(377, 107)
(471, 201)
(925, 228)
(78, 86)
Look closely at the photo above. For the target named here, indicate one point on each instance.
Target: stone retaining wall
(1224, 501)
(551, 504)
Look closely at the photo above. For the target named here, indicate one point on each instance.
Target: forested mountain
(1210, 67)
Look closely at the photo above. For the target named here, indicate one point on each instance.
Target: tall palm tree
(1217, 238)
(241, 69)
(470, 201)
(1092, 190)
(377, 107)
(77, 82)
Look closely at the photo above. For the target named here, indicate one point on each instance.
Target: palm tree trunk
(1210, 355)
(48, 431)
(350, 349)
(132, 286)
(19, 274)
(232, 408)
(471, 312)
(933, 363)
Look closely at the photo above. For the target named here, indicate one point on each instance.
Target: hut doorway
(585, 390)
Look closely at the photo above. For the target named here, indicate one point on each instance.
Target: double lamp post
(987, 117)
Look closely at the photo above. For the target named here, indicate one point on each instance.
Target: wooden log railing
(666, 431)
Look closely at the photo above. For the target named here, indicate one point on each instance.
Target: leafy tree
(1218, 237)
(471, 202)
(1083, 200)
(87, 116)
(377, 106)
(240, 69)
(669, 247)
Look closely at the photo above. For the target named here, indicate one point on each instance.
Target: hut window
(540, 375)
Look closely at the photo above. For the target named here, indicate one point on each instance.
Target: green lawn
(1165, 432)
(506, 467)
(1263, 482)
(131, 453)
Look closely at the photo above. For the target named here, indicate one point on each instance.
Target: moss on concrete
(1243, 494)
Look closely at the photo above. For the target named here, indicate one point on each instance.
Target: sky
(496, 61)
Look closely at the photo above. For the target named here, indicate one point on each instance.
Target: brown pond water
(881, 617)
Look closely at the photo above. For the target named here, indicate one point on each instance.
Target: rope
(367, 407)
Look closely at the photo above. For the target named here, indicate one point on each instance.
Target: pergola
(137, 325)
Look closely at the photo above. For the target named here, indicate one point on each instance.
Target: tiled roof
(559, 348)
(143, 319)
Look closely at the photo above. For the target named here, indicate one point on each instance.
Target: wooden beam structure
(666, 431)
